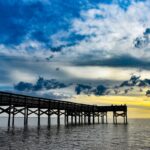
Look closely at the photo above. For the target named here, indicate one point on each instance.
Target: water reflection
(88, 137)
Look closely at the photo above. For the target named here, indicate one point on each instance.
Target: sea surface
(134, 136)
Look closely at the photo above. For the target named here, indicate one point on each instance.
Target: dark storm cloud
(116, 61)
(40, 84)
(49, 84)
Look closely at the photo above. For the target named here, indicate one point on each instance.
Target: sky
(62, 48)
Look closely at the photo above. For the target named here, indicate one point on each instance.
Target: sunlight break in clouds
(104, 73)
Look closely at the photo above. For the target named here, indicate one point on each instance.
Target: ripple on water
(136, 135)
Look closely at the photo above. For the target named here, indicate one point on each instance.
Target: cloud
(83, 88)
(35, 19)
(14, 69)
(116, 61)
(136, 81)
(109, 32)
(46, 87)
(99, 30)
(100, 73)
(40, 84)
(88, 41)
(52, 87)
(144, 40)
(43, 88)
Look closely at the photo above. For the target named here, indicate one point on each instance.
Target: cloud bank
(78, 41)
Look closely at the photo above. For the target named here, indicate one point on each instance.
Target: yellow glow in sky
(138, 107)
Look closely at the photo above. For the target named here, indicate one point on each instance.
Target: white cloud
(18, 75)
(58, 38)
(111, 29)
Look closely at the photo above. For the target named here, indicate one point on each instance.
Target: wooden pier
(74, 113)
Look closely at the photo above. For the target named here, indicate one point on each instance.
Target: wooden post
(27, 116)
(126, 118)
(49, 119)
(58, 117)
(116, 117)
(93, 118)
(102, 117)
(75, 118)
(71, 118)
(93, 113)
(49, 116)
(106, 118)
(25, 103)
(98, 117)
(67, 119)
(113, 117)
(79, 118)
(89, 118)
(9, 111)
(84, 118)
(13, 118)
(39, 113)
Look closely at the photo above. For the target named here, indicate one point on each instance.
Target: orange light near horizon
(138, 107)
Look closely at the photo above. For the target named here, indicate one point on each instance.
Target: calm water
(135, 136)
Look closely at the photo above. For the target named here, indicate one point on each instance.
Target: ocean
(134, 136)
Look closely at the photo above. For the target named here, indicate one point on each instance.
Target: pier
(74, 113)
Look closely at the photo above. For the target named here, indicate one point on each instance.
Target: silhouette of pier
(74, 113)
